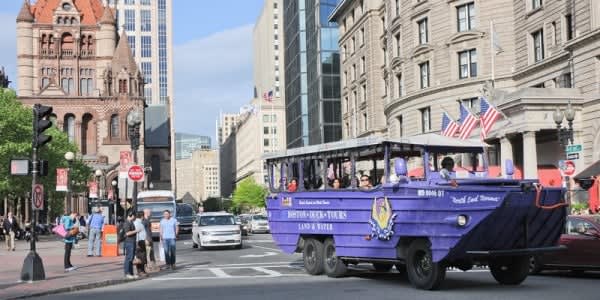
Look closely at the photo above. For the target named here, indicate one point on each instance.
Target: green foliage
(248, 194)
(16, 133)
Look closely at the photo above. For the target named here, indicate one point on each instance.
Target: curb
(81, 287)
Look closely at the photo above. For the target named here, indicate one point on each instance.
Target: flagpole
(493, 51)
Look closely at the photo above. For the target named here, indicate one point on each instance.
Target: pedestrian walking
(140, 250)
(130, 238)
(95, 225)
(69, 222)
(150, 259)
(11, 227)
(169, 230)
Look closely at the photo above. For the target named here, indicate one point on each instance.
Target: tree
(16, 134)
(248, 194)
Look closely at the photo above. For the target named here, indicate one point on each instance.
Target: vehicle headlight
(462, 220)
(205, 233)
(245, 226)
(238, 232)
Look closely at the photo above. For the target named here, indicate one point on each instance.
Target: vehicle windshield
(156, 208)
(259, 218)
(216, 220)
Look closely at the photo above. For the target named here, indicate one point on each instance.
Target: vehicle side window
(578, 227)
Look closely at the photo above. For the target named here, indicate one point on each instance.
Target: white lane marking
(259, 255)
(232, 277)
(266, 248)
(219, 273)
(248, 267)
(258, 264)
(267, 271)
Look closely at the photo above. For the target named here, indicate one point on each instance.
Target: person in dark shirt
(146, 221)
(10, 227)
(130, 239)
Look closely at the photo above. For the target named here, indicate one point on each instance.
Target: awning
(593, 170)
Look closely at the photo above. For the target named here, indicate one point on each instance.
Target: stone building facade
(199, 175)
(71, 58)
(526, 57)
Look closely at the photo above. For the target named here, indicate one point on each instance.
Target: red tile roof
(91, 10)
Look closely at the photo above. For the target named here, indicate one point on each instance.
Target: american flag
(489, 115)
(268, 96)
(468, 122)
(449, 126)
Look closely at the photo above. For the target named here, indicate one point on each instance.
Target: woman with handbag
(140, 260)
(68, 222)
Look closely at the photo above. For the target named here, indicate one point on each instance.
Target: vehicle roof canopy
(156, 193)
(429, 142)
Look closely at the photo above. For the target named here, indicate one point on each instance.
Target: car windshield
(259, 218)
(216, 220)
(156, 208)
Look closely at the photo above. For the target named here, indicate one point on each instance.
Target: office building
(186, 144)
(225, 126)
(199, 176)
(312, 73)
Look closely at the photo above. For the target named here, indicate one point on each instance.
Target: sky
(212, 58)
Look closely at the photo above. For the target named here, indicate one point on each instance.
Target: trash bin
(110, 245)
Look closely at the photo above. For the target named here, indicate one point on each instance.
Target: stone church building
(71, 57)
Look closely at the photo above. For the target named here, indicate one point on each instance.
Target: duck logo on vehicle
(382, 219)
(286, 201)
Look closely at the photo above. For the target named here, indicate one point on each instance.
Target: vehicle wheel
(312, 255)
(535, 266)
(423, 273)
(383, 267)
(510, 270)
(195, 246)
(333, 265)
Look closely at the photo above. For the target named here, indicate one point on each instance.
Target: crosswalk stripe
(219, 273)
(267, 271)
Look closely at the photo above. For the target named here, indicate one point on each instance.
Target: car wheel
(333, 265)
(312, 255)
(383, 267)
(535, 265)
(511, 270)
(423, 273)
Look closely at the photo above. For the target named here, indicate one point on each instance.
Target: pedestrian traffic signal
(43, 165)
(41, 122)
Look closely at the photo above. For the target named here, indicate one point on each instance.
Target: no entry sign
(37, 197)
(136, 173)
(567, 167)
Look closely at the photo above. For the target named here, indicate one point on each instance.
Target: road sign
(19, 167)
(567, 167)
(573, 156)
(573, 148)
(136, 173)
(37, 197)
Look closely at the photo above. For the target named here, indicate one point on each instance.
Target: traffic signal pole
(33, 266)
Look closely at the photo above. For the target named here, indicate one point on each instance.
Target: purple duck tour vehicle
(355, 201)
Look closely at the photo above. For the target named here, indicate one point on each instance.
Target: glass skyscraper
(186, 144)
(312, 73)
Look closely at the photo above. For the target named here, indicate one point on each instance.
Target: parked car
(582, 239)
(259, 223)
(185, 217)
(216, 229)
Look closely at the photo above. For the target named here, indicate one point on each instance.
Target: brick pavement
(92, 271)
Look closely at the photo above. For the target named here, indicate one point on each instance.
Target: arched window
(53, 120)
(66, 44)
(59, 20)
(114, 126)
(122, 86)
(69, 127)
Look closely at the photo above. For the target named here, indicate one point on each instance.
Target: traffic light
(41, 122)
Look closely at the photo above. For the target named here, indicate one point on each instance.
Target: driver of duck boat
(447, 168)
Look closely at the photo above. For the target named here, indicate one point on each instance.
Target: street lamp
(69, 156)
(115, 186)
(564, 134)
(134, 119)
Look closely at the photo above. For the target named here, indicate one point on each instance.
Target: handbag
(137, 261)
(60, 230)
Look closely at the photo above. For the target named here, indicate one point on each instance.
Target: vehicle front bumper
(220, 240)
(260, 228)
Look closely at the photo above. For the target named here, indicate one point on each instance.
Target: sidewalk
(92, 271)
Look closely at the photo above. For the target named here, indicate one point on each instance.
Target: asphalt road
(260, 271)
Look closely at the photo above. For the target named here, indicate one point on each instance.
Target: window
(384, 56)
(122, 86)
(467, 61)
(397, 7)
(130, 20)
(399, 84)
(345, 78)
(364, 92)
(69, 127)
(425, 119)
(400, 126)
(362, 36)
(355, 98)
(129, 2)
(353, 45)
(266, 142)
(554, 33)
(383, 23)
(538, 45)
(265, 130)
(565, 81)
(535, 4)
(353, 71)
(397, 40)
(363, 65)
(145, 2)
(86, 82)
(344, 52)
(471, 103)
(146, 20)
(266, 118)
(568, 27)
(365, 122)
(146, 46)
(131, 41)
(347, 104)
(423, 36)
(147, 70)
(275, 5)
(114, 126)
(466, 17)
(424, 72)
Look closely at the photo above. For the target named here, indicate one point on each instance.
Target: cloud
(212, 74)
(8, 48)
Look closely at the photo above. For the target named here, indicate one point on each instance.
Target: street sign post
(573, 148)
(37, 197)
(136, 173)
(573, 156)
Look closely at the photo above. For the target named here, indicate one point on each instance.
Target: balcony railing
(47, 53)
(66, 53)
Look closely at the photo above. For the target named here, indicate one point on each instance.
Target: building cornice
(540, 65)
